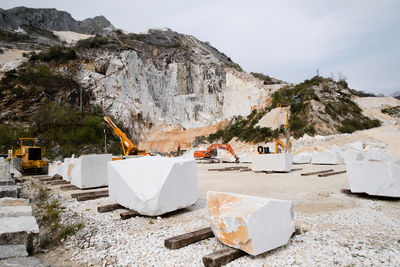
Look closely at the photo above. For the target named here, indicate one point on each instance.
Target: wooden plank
(296, 169)
(128, 214)
(91, 193)
(330, 173)
(222, 257)
(110, 207)
(58, 182)
(183, 240)
(69, 187)
(85, 198)
(318, 172)
(48, 179)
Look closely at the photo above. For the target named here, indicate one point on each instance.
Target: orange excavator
(212, 151)
(127, 146)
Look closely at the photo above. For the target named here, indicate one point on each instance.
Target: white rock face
(153, 185)
(326, 157)
(302, 158)
(281, 162)
(4, 170)
(379, 178)
(252, 224)
(137, 92)
(352, 155)
(245, 158)
(90, 171)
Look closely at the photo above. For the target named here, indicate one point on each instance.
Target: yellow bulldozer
(29, 157)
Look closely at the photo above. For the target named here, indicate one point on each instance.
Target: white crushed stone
(366, 235)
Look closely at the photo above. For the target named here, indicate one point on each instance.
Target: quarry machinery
(128, 147)
(211, 152)
(29, 157)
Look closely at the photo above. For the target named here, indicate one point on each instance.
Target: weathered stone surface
(8, 201)
(252, 224)
(302, 158)
(19, 230)
(153, 185)
(352, 155)
(15, 211)
(15, 173)
(281, 162)
(4, 169)
(379, 178)
(10, 191)
(326, 157)
(90, 171)
(22, 261)
(12, 251)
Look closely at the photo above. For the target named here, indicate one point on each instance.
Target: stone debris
(379, 178)
(302, 158)
(252, 224)
(12, 251)
(90, 171)
(10, 191)
(153, 185)
(15, 211)
(281, 162)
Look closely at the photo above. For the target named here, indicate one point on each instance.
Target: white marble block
(252, 224)
(69, 164)
(281, 162)
(379, 178)
(326, 157)
(302, 158)
(90, 171)
(153, 185)
(56, 168)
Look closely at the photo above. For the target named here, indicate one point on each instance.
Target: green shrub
(11, 37)
(93, 42)
(56, 53)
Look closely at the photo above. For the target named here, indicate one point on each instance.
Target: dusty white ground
(336, 229)
(71, 37)
(11, 59)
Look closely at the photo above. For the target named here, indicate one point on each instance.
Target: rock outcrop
(51, 19)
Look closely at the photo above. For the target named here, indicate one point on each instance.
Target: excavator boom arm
(127, 145)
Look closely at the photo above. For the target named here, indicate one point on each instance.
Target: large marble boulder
(68, 166)
(379, 178)
(90, 171)
(281, 162)
(56, 168)
(153, 185)
(326, 157)
(302, 158)
(252, 224)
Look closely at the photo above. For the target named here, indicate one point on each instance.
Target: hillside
(149, 82)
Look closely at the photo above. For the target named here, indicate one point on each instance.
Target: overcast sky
(288, 40)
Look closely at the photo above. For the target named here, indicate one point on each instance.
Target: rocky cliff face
(191, 84)
(51, 19)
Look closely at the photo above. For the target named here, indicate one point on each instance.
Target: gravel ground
(368, 234)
